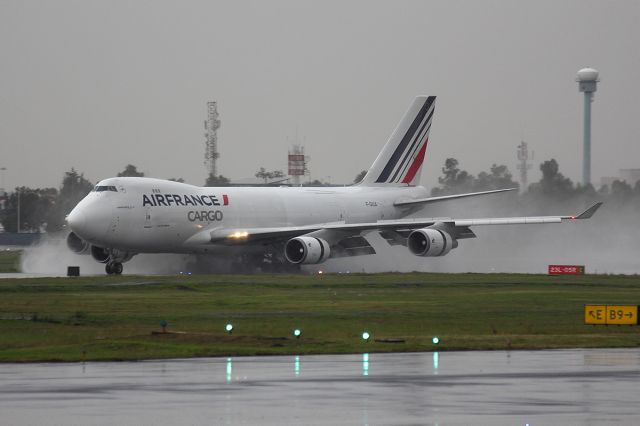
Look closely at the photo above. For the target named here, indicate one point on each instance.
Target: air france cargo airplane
(288, 226)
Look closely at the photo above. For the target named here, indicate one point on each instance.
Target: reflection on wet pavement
(520, 387)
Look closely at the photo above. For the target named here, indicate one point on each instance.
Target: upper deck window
(105, 188)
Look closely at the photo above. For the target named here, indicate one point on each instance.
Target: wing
(341, 230)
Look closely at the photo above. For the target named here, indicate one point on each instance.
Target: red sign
(566, 269)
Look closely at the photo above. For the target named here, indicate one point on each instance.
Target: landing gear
(114, 268)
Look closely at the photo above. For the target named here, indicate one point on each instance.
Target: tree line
(552, 191)
(45, 209)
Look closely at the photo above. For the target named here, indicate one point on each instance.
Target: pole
(3, 170)
(586, 162)
(18, 210)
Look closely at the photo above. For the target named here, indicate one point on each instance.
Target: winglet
(589, 212)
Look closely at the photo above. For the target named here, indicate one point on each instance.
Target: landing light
(239, 235)
(297, 332)
(228, 328)
(435, 340)
(366, 336)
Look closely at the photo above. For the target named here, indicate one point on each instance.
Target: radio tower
(211, 125)
(524, 166)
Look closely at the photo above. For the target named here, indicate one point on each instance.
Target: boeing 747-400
(289, 226)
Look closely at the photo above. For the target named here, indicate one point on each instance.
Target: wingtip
(589, 212)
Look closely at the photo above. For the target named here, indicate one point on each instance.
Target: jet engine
(430, 242)
(104, 255)
(100, 254)
(77, 244)
(307, 250)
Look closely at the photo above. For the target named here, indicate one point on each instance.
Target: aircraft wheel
(116, 268)
(108, 269)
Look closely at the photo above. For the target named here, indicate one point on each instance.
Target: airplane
(281, 228)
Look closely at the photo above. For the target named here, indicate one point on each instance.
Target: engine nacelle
(77, 244)
(307, 250)
(430, 242)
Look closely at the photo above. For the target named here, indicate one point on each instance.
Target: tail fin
(400, 161)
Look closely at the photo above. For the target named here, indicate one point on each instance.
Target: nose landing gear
(113, 268)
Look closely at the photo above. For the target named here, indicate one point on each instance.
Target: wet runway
(590, 387)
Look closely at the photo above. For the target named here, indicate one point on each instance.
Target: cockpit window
(100, 188)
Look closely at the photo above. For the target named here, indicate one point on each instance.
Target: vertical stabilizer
(400, 161)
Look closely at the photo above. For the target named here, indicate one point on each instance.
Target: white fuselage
(146, 215)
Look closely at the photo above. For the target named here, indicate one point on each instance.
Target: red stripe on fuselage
(417, 163)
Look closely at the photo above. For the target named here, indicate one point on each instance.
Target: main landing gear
(113, 268)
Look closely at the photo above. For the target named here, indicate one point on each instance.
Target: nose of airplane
(77, 221)
(91, 219)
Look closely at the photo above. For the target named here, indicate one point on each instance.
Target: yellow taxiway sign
(611, 314)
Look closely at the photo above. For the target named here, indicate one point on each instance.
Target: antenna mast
(211, 125)
(524, 166)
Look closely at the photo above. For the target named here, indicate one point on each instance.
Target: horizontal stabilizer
(409, 202)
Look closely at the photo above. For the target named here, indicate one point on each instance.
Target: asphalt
(512, 388)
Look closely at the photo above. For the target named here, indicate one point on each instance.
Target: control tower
(588, 83)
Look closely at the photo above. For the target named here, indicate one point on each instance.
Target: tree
(130, 171)
(180, 180)
(498, 178)
(262, 173)
(74, 188)
(621, 187)
(34, 206)
(360, 176)
(553, 183)
(454, 180)
(217, 180)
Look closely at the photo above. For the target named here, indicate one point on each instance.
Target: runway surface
(512, 388)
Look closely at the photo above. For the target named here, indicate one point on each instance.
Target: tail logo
(408, 156)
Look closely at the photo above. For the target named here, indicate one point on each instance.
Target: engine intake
(307, 250)
(430, 242)
(77, 244)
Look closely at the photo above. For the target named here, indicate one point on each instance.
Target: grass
(112, 318)
(10, 261)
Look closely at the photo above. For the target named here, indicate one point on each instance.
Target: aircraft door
(147, 217)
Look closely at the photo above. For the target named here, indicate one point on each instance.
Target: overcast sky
(96, 85)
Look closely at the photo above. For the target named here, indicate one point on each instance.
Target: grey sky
(96, 85)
